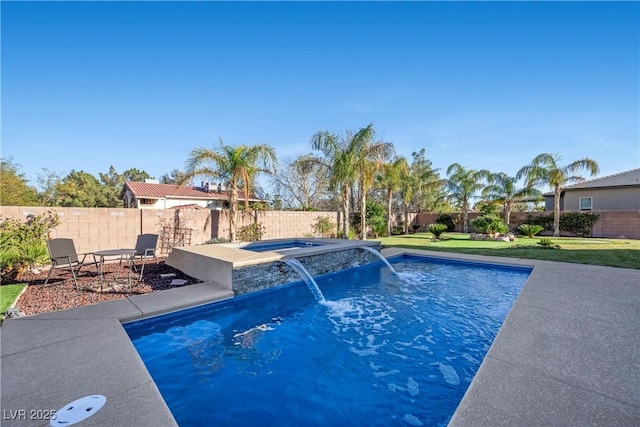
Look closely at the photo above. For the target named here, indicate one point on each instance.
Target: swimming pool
(384, 350)
(280, 245)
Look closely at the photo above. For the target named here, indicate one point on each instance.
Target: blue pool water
(384, 350)
(275, 246)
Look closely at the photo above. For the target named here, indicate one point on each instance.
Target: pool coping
(566, 353)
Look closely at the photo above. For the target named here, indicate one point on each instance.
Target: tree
(430, 193)
(340, 164)
(81, 189)
(173, 177)
(301, 182)
(135, 175)
(463, 184)
(544, 169)
(239, 166)
(369, 157)
(420, 183)
(354, 158)
(113, 183)
(390, 180)
(48, 182)
(502, 189)
(14, 190)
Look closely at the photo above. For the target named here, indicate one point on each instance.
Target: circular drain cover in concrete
(78, 410)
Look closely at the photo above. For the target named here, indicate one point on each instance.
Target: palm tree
(502, 188)
(369, 157)
(463, 184)
(418, 182)
(238, 166)
(340, 167)
(544, 169)
(351, 159)
(390, 180)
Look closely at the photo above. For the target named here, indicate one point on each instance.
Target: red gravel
(60, 292)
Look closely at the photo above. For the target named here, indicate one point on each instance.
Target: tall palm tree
(238, 166)
(418, 182)
(390, 180)
(544, 169)
(369, 157)
(352, 159)
(462, 185)
(502, 188)
(340, 164)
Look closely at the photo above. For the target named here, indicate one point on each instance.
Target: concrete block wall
(276, 224)
(611, 224)
(95, 229)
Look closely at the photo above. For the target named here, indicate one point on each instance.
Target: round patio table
(123, 254)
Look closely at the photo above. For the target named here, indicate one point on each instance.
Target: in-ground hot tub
(245, 267)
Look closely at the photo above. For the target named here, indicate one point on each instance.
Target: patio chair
(64, 256)
(145, 249)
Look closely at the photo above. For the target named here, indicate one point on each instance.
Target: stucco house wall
(604, 199)
(619, 192)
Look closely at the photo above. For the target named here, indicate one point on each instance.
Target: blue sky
(87, 85)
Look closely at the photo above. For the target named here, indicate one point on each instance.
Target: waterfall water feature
(379, 255)
(315, 290)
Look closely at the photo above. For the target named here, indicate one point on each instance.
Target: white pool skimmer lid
(78, 410)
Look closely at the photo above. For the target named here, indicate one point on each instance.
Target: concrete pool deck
(567, 354)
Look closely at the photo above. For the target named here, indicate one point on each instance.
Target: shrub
(530, 230)
(324, 226)
(251, 232)
(23, 244)
(544, 221)
(580, 223)
(547, 243)
(437, 229)
(489, 224)
(447, 220)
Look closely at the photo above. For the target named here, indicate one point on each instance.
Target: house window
(147, 201)
(586, 203)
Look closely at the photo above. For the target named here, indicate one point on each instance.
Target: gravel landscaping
(60, 292)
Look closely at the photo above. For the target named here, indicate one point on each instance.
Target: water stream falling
(379, 255)
(315, 290)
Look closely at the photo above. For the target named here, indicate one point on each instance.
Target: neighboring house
(152, 195)
(619, 192)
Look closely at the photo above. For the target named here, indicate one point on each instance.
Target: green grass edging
(8, 296)
(622, 253)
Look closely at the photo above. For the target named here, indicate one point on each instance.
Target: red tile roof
(164, 191)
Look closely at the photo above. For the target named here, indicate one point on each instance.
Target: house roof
(171, 191)
(622, 179)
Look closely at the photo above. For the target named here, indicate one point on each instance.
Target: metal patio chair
(64, 256)
(145, 249)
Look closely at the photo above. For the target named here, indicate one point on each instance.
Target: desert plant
(437, 229)
(530, 230)
(547, 243)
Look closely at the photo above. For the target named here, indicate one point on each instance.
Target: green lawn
(8, 295)
(609, 252)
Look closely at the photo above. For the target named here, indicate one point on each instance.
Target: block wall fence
(94, 229)
(611, 224)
